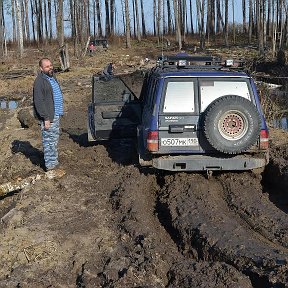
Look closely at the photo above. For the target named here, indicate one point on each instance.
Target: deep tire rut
(201, 213)
(255, 208)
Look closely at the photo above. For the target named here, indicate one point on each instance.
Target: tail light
(152, 141)
(264, 140)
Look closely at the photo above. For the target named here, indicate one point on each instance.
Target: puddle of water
(10, 105)
(281, 123)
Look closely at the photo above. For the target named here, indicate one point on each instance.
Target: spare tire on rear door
(232, 124)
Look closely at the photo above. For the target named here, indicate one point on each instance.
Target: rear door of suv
(179, 116)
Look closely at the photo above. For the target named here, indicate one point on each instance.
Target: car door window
(179, 97)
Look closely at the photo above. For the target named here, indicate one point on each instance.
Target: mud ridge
(246, 198)
(140, 233)
(207, 224)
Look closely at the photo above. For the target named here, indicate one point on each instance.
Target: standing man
(48, 107)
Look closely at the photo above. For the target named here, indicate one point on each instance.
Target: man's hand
(47, 124)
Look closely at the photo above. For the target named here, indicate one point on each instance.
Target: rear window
(211, 89)
(179, 97)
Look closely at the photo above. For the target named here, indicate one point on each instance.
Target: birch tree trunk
(127, 20)
(250, 21)
(46, 20)
(159, 17)
(183, 19)
(112, 16)
(154, 17)
(19, 29)
(138, 32)
(60, 23)
(2, 40)
(191, 18)
(32, 20)
(13, 20)
(226, 28)
(200, 16)
(177, 24)
(27, 27)
(94, 19)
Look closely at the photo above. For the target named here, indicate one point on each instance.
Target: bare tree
(200, 16)
(260, 26)
(2, 27)
(169, 21)
(219, 22)
(138, 33)
(143, 19)
(112, 16)
(19, 29)
(226, 27)
(32, 20)
(158, 21)
(46, 20)
(177, 24)
(244, 16)
(26, 15)
(191, 18)
(107, 18)
(268, 25)
(99, 18)
(60, 23)
(250, 28)
(13, 19)
(127, 22)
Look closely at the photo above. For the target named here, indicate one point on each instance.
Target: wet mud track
(109, 223)
(229, 219)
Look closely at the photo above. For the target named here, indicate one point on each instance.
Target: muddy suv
(194, 114)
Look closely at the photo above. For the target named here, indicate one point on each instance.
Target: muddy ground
(109, 223)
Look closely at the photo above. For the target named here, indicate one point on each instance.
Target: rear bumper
(208, 163)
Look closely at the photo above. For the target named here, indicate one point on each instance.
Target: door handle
(182, 128)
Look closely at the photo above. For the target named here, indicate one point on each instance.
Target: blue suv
(194, 114)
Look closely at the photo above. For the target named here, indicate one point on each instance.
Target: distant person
(182, 53)
(107, 73)
(48, 107)
(91, 48)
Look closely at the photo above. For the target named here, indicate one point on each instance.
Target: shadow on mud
(30, 152)
(276, 185)
(121, 151)
(78, 137)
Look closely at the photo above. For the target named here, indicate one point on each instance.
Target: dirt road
(107, 223)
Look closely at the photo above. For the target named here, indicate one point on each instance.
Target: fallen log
(21, 183)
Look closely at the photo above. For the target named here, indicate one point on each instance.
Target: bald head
(46, 66)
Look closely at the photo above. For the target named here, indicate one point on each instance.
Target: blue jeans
(50, 139)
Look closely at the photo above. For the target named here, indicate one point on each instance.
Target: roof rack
(198, 62)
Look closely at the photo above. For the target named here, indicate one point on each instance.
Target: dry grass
(274, 104)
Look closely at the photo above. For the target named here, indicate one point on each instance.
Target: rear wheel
(232, 124)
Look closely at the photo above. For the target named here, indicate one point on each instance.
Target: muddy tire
(232, 124)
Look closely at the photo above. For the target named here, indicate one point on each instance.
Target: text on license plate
(179, 141)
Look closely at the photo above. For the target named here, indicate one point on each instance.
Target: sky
(148, 10)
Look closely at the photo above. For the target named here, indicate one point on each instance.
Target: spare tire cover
(232, 124)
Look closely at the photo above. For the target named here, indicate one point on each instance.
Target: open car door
(115, 112)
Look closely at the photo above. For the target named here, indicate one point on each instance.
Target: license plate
(179, 141)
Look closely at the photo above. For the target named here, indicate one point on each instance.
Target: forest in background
(263, 22)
